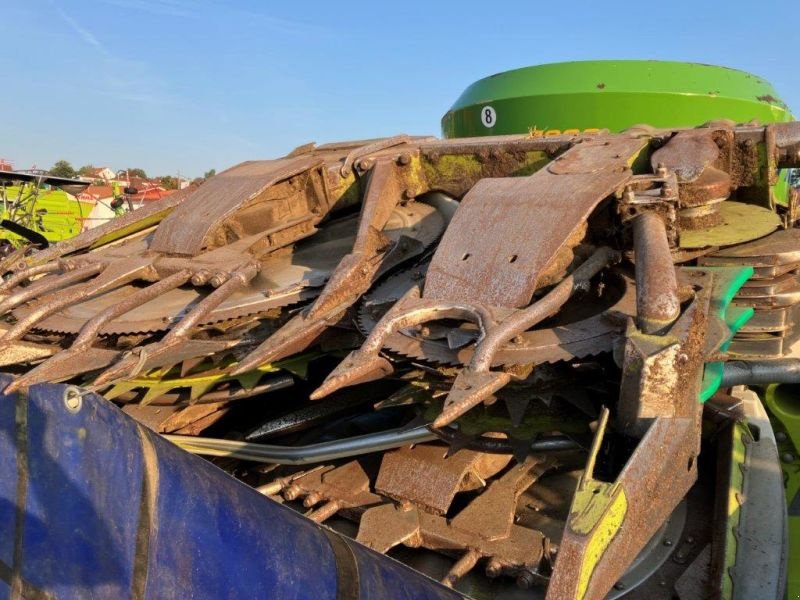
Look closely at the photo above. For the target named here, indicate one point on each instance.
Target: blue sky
(187, 85)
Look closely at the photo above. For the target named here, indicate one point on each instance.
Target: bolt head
(525, 581)
(73, 399)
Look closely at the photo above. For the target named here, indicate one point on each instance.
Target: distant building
(150, 194)
(99, 173)
(95, 193)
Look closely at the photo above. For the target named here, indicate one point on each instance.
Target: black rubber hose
(754, 372)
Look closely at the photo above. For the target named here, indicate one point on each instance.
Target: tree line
(63, 168)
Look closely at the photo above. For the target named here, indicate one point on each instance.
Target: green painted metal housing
(610, 94)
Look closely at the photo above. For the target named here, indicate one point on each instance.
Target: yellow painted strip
(134, 227)
(607, 527)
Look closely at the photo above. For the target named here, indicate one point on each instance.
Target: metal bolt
(619, 586)
(312, 499)
(525, 581)
(666, 191)
(690, 539)
(787, 457)
(493, 569)
(780, 436)
(292, 492)
(404, 159)
(218, 279)
(628, 195)
(201, 277)
(408, 194)
(667, 542)
(72, 399)
(365, 164)
(661, 170)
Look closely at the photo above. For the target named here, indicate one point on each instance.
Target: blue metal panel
(82, 498)
(111, 510)
(8, 474)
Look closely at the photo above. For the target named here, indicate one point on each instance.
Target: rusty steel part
(773, 293)
(178, 420)
(390, 183)
(476, 383)
(66, 363)
(28, 274)
(457, 283)
(600, 317)
(307, 266)
(533, 228)
(113, 277)
(303, 455)
(692, 155)
(362, 151)
(483, 529)
(333, 489)
(283, 279)
(248, 195)
(429, 477)
(146, 357)
(665, 365)
(778, 249)
(611, 522)
(47, 285)
(366, 363)
(496, 327)
(657, 304)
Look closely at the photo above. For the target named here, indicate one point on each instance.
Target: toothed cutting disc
(283, 280)
(586, 325)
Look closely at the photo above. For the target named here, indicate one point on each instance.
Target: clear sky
(188, 85)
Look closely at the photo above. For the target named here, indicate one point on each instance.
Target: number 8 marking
(488, 116)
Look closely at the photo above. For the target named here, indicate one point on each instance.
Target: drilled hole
(466, 256)
(512, 258)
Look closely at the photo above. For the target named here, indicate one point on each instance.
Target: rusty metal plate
(688, 153)
(506, 232)
(187, 228)
(779, 248)
(426, 476)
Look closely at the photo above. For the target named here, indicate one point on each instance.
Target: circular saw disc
(284, 280)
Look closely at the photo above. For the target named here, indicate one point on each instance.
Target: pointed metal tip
(469, 389)
(15, 385)
(122, 369)
(443, 420)
(326, 389)
(253, 361)
(356, 368)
